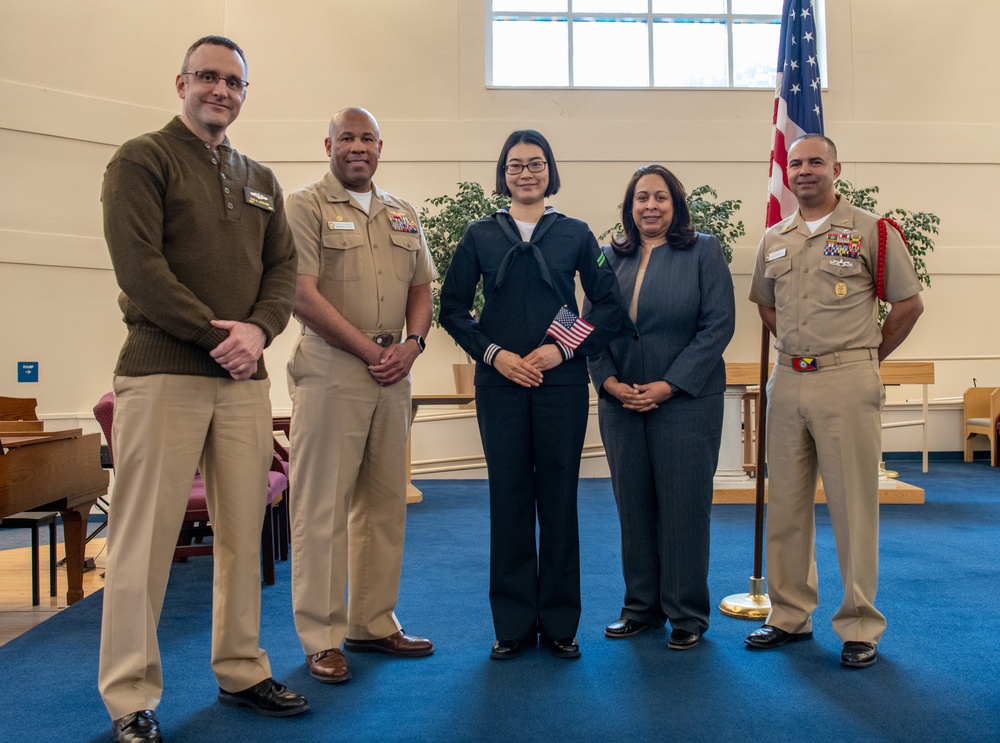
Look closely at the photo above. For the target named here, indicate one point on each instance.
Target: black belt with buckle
(384, 339)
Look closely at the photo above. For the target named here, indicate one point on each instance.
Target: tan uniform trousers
(165, 427)
(828, 423)
(348, 496)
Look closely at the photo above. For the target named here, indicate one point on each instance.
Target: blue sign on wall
(27, 371)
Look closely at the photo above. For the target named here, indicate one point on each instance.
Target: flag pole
(797, 111)
(755, 604)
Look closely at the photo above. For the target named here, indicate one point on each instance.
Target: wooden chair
(196, 526)
(981, 411)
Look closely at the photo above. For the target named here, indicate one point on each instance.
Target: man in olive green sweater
(206, 264)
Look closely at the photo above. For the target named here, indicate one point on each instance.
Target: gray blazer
(685, 319)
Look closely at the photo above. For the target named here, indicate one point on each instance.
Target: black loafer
(769, 636)
(268, 698)
(858, 654)
(625, 627)
(566, 647)
(137, 726)
(682, 640)
(506, 649)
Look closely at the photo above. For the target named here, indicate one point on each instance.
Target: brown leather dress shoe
(400, 644)
(328, 666)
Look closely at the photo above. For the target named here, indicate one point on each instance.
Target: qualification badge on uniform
(842, 243)
(840, 289)
(401, 222)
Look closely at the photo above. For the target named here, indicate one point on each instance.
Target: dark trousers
(662, 464)
(533, 439)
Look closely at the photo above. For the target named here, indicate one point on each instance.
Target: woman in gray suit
(660, 386)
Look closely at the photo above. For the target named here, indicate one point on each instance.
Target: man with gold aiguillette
(816, 281)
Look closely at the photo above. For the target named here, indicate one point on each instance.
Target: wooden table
(911, 372)
(413, 494)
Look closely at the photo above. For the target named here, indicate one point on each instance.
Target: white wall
(913, 103)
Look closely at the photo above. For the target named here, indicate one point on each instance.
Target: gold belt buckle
(383, 339)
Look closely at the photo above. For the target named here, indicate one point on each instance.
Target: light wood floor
(17, 615)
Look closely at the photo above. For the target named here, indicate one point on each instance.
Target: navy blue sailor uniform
(532, 437)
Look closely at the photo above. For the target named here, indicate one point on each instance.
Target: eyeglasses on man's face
(211, 79)
(535, 166)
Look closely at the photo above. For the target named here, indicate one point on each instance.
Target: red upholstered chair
(282, 516)
(196, 526)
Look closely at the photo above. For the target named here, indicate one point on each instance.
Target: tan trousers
(348, 496)
(166, 426)
(827, 423)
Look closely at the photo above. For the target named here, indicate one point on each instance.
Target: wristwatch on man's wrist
(421, 344)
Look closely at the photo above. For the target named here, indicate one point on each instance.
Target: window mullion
(731, 67)
(649, 35)
(569, 42)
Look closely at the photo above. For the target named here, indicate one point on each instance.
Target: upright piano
(51, 471)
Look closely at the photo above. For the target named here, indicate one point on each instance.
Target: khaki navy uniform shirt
(822, 285)
(365, 263)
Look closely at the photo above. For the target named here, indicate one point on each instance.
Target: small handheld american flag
(569, 329)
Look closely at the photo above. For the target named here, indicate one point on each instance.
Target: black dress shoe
(858, 654)
(625, 628)
(682, 640)
(137, 726)
(566, 647)
(506, 649)
(267, 698)
(769, 636)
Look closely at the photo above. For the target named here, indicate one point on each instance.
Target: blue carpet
(935, 680)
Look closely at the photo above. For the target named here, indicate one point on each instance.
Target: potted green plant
(443, 229)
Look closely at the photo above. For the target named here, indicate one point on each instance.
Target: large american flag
(569, 329)
(797, 106)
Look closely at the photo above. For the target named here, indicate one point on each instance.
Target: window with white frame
(634, 43)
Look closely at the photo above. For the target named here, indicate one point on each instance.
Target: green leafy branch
(918, 228)
(444, 229)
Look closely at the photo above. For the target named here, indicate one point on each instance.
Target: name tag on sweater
(260, 200)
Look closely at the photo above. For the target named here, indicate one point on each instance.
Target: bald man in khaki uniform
(364, 275)
(815, 285)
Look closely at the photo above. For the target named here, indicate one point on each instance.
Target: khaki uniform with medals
(348, 433)
(825, 400)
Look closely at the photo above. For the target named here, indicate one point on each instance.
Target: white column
(730, 470)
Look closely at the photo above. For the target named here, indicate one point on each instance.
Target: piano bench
(34, 520)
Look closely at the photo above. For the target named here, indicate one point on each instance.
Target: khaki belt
(815, 363)
(384, 338)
